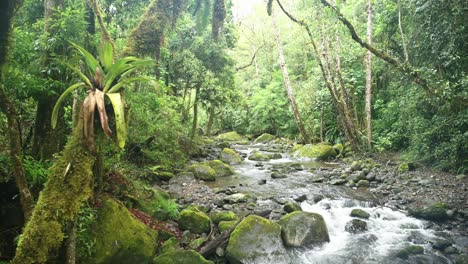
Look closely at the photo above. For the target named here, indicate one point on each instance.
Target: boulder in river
(264, 138)
(181, 257)
(196, 222)
(319, 151)
(256, 240)
(258, 156)
(360, 213)
(203, 172)
(230, 136)
(229, 156)
(221, 168)
(356, 226)
(410, 250)
(291, 207)
(435, 212)
(217, 217)
(303, 228)
(120, 238)
(278, 175)
(225, 225)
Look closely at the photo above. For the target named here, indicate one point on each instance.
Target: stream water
(388, 230)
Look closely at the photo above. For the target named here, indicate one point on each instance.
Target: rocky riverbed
(274, 184)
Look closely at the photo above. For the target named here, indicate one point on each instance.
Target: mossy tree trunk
(7, 10)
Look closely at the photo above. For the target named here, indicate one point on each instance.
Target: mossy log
(69, 185)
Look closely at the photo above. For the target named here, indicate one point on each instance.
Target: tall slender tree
(369, 75)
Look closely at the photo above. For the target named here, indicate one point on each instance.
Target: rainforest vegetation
(104, 101)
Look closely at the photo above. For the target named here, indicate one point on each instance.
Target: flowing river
(389, 230)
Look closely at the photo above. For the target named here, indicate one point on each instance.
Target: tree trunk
(287, 82)
(7, 10)
(369, 75)
(400, 26)
(209, 126)
(71, 242)
(195, 112)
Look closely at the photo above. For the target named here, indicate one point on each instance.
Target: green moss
(223, 216)
(296, 147)
(225, 225)
(181, 257)
(120, 238)
(319, 151)
(229, 156)
(410, 250)
(339, 149)
(434, 212)
(258, 156)
(303, 228)
(165, 175)
(405, 167)
(194, 244)
(69, 185)
(203, 172)
(194, 221)
(360, 213)
(291, 207)
(230, 136)
(170, 245)
(264, 138)
(221, 168)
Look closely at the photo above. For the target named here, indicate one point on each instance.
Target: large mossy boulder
(303, 228)
(217, 217)
(120, 238)
(203, 172)
(229, 156)
(258, 156)
(230, 136)
(435, 212)
(196, 222)
(320, 152)
(181, 257)
(256, 240)
(264, 138)
(221, 168)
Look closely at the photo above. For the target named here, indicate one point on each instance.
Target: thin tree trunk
(71, 242)
(369, 75)
(210, 121)
(400, 26)
(195, 112)
(7, 10)
(104, 32)
(287, 83)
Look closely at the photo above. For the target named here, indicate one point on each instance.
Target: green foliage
(36, 172)
(167, 207)
(85, 242)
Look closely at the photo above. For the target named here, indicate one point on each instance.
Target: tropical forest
(233, 132)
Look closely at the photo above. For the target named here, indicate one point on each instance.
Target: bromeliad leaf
(62, 97)
(120, 124)
(106, 55)
(102, 112)
(89, 59)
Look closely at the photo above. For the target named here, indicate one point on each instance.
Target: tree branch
(251, 61)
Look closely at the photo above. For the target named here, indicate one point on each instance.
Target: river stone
(181, 257)
(319, 151)
(256, 240)
(276, 156)
(303, 228)
(410, 250)
(217, 217)
(229, 156)
(225, 225)
(356, 226)
(337, 182)
(194, 221)
(278, 175)
(264, 138)
(170, 245)
(360, 213)
(363, 183)
(291, 207)
(435, 212)
(120, 237)
(236, 198)
(441, 244)
(221, 168)
(230, 136)
(203, 172)
(257, 156)
(165, 176)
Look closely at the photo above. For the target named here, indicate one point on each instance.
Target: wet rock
(363, 183)
(434, 212)
(319, 151)
(300, 198)
(278, 175)
(291, 207)
(276, 156)
(337, 182)
(196, 243)
(450, 250)
(194, 221)
(359, 213)
(221, 168)
(230, 136)
(262, 182)
(236, 198)
(181, 257)
(303, 228)
(296, 166)
(217, 217)
(356, 226)
(264, 138)
(427, 259)
(406, 167)
(256, 240)
(225, 225)
(229, 156)
(258, 156)
(410, 250)
(203, 172)
(355, 166)
(170, 245)
(317, 179)
(441, 244)
(317, 198)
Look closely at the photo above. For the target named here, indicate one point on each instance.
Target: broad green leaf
(60, 100)
(117, 69)
(107, 55)
(120, 125)
(90, 61)
(77, 71)
(121, 83)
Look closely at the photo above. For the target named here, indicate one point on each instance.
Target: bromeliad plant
(101, 78)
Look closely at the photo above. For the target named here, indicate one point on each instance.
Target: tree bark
(403, 40)
(7, 10)
(369, 75)
(195, 111)
(71, 242)
(287, 82)
(209, 126)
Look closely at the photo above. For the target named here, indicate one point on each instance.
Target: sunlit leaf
(62, 97)
(90, 61)
(120, 125)
(107, 55)
(119, 85)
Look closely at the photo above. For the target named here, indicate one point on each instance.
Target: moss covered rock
(203, 172)
(434, 212)
(221, 168)
(303, 228)
(195, 221)
(339, 149)
(170, 245)
(291, 207)
(196, 243)
(229, 156)
(181, 257)
(356, 226)
(256, 240)
(360, 213)
(264, 138)
(258, 156)
(223, 216)
(320, 151)
(165, 176)
(225, 225)
(230, 136)
(405, 167)
(410, 250)
(120, 238)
